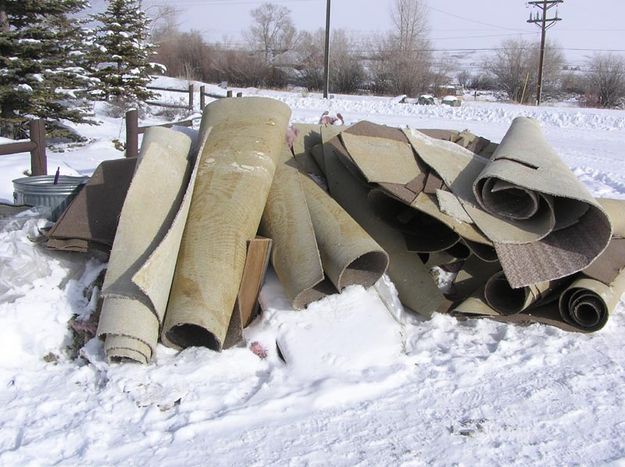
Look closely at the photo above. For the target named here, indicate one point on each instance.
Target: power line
(484, 36)
(496, 26)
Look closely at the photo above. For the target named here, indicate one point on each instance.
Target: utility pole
(326, 64)
(545, 23)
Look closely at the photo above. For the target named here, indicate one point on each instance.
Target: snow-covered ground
(361, 386)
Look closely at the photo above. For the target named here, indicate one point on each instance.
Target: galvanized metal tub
(41, 191)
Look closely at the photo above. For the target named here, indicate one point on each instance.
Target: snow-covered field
(361, 386)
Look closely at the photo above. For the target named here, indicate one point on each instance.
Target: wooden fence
(36, 146)
(189, 92)
(204, 95)
(133, 130)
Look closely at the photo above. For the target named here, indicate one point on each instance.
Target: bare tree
(272, 31)
(441, 72)
(185, 55)
(402, 60)
(347, 72)
(409, 18)
(310, 56)
(464, 78)
(606, 79)
(511, 67)
(515, 67)
(164, 21)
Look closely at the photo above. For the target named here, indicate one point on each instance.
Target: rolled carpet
(544, 223)
(236, 168)
(413, 281)
(295, 254)
(318, 248)
(582, 302)
(144, 251)
(348, 253)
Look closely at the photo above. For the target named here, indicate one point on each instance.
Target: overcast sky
(454, 24)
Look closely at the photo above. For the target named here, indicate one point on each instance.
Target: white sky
(454, 24)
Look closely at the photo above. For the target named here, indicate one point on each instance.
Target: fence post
(132, 133)
(239, 94)
(191, 96)
(229, 93)
(38, 159)
(202, 97)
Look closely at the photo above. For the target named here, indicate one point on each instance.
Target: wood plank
(15, 148)
(246, 306)
(164, 104)
(253, 276)
(158, 88)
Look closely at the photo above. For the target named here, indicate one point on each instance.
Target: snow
(364, 382)
(28, 41)
(24, 87)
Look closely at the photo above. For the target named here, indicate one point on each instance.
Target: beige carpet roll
(317, 248)
(582, 302)
(459, 168)
(508, 301)
(295, 255)
(544, 223)
(413, 281)
(527, 182)
(144, 251)
(588, 301)
(237, 166)
(472, 277)
(348, 253)
(615, 209)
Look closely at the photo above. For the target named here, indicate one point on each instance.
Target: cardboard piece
(246, 305)
(90, 220)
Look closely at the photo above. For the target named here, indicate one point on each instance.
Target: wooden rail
(204, 95)
(189, 91)
(133, 130)
(36, 146)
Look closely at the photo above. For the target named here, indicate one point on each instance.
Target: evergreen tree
(40, 75)
(122, 52)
